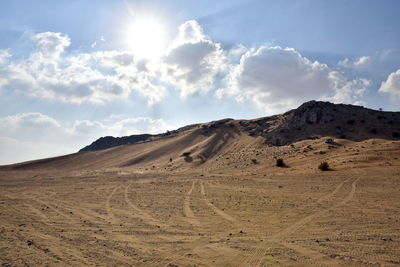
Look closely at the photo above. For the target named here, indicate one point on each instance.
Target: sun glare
(146, 38)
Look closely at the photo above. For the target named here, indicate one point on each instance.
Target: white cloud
(121, 127)
(51, 44)
(193, 61)
(29, 126)
(350, 91)
(96, 77)
(33, 135)
(277, 79)
(190, 64)
(4, 60)
(141, 125)
(4, 56)
(89, 128)
(274, 78)
(392, 84)
(362, 61)
(190, 32)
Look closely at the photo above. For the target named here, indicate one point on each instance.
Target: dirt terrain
(223, 203)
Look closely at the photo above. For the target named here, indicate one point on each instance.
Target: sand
(228, 211)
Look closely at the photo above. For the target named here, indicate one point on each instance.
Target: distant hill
(309, 121)
(109, 141)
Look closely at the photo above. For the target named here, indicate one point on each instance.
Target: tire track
(111, 215)
(139, 213)
(314, 255)
(300, 223)
(67, 217)
(43, 239)
(187, 211)
(112, 234)
(82, 212)
(331, 194)
(218, 211)
(256, 258)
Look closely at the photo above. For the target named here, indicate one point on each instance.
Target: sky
(72, 71)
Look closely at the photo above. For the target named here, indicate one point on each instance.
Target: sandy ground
(228, 213)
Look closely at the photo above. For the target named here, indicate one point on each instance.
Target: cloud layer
(277, 78)
(97, 77)
(31, 135)
(274, 78)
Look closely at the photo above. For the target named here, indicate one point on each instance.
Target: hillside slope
(230, 142)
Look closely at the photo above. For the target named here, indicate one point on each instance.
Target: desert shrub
(396, 134)
(324, 166)
(186, 154)
(280, 162)
(254, 161)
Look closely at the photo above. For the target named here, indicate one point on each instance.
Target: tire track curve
(218, 211)
(187, 211)
(256, 257)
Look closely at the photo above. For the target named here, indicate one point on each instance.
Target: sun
(146, 38)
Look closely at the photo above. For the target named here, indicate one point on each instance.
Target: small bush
(324, 166)
(186, 154)
(280, 163)
(254, 161)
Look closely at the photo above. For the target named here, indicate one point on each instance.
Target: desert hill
(310, 120)
(197, 144)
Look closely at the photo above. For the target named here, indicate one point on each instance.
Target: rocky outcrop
(315, 119)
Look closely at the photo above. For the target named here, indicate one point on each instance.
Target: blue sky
(73, 71)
